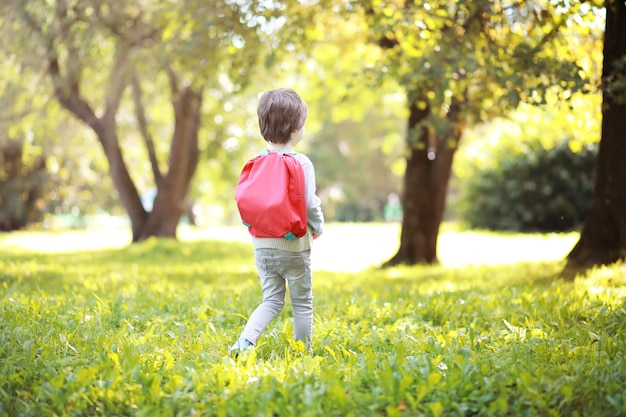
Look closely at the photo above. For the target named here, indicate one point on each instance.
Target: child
(280, 261)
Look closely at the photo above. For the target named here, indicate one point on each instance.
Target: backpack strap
(296, 183)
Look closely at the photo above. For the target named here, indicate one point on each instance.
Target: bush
(530, 188)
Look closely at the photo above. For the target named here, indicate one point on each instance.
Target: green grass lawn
(92, 327)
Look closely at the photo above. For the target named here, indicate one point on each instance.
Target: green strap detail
(290, 236)
(267, 152)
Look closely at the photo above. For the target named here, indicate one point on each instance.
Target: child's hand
(315, 236)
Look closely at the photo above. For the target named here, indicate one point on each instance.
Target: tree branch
(66, 87)
(548, 36)
(136, 34)
(118, 81)
(30, 20)
(67, 92)
(173, 81)
(184, 148)
(193, 151)
(143, 127)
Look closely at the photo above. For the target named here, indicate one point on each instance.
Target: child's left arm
(315, 216)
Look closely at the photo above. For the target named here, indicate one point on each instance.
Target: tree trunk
(603, 236)
(425, 189)
(169, 203)
(21, 186)
(124, 185)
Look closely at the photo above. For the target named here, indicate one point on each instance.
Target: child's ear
(297, 136)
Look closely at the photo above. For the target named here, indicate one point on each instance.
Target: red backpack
(270, 196)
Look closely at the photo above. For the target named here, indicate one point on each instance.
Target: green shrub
(530, 188)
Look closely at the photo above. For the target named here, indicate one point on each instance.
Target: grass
(92, 327)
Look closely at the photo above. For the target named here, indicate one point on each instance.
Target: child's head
(281, 115)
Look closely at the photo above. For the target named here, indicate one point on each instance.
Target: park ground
(344, 247)
(93, 326)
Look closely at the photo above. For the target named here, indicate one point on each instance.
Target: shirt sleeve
(315, 216)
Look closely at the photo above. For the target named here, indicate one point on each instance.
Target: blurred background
(141, 114)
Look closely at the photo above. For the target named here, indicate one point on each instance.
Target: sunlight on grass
(144, 329)
(343, 247)
(65, 240)
(353, 247)
(473, 248)
(350, 247)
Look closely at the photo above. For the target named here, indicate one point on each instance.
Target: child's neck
(273, 147)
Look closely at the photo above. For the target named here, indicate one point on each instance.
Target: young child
(279, 261)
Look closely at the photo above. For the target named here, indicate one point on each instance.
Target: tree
(21, 186)
(461, 63)
(603, 236)
(182, 46)
(31, 117)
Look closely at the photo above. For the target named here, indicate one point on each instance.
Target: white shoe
(240, 346)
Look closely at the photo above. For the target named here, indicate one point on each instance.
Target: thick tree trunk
(163, 220)
(67, 92)
(603, 236)
(425, 189)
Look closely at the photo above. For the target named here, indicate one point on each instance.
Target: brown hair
(281, 112)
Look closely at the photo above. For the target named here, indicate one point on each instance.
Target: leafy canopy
(487, 56)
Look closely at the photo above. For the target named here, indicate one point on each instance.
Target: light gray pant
(276, 268)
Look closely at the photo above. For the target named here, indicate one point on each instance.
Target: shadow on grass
(488, 277)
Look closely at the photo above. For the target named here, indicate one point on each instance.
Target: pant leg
(295, 267)
(273, 288)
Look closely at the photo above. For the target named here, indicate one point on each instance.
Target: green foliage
(485, 57)
(144, 331)
(354, 164)
(534, 189)
(529, 170)
(77, 170)
(320, 48)
(355, 129)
